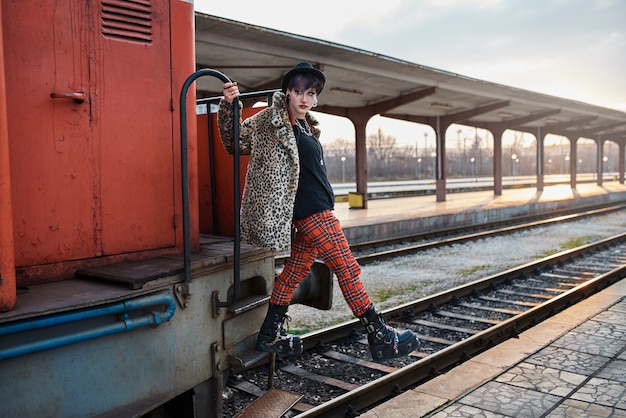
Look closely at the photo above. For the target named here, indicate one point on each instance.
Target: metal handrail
(248, 95)
(237, 180)
(185, 185)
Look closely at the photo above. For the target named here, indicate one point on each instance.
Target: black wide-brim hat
(301, 68)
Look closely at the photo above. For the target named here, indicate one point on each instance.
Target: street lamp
(513, 159)
(549, 166)
(417, 165)
(473, 160)
(419, 160)
(434, 155)
(343, 168)
(463, 168)
(580, 165)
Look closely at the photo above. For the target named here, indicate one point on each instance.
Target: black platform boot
(386, 342)
(273, 338)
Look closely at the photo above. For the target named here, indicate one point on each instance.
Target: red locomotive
(101, 315)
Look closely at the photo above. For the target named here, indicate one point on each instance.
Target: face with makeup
(302, 91)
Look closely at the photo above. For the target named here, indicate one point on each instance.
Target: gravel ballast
(408, 278)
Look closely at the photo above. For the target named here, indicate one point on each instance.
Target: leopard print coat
(272, 175)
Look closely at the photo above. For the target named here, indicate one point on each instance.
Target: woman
(286, 184)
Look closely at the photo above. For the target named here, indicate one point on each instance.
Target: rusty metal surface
(274, 403)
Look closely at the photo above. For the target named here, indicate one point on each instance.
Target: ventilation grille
(129, 20)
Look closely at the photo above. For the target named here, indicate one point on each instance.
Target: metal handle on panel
(78, 97)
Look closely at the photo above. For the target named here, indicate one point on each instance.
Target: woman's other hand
(231, 91)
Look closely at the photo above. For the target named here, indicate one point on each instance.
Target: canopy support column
(497, 160)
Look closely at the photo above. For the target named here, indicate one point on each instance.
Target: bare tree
(381, 150)
(339, 147)
(340, 160)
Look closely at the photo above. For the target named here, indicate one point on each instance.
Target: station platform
(570, 365)
(403, 216)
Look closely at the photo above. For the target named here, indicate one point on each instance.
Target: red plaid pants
(320, 234)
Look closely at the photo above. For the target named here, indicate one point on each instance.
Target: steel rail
(332, 333)
(387, 386)
(518, 225)
(412, 249)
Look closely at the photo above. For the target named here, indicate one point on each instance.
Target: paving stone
(556, 378)
(612, 316)
(407, 404)
(462, 411)
(619, 306)
(568, 360)
(572, 408)
(603, 392)
(603, 329)
(591, 344)
(462, 379)
(542, 379)
(614, 370)
(510, 400)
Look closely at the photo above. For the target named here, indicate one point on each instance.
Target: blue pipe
(126, 324)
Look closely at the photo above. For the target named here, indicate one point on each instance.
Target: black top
(315, 193)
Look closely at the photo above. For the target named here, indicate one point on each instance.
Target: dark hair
(305, 81)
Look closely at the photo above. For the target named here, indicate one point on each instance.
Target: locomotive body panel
(93, 142)
(106, 322)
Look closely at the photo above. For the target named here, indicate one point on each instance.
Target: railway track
(336, 377)
(379, 250)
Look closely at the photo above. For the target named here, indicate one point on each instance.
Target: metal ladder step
(246, 359)
(274, 403)
(248, 303)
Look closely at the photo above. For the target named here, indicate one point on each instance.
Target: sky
(573, 49)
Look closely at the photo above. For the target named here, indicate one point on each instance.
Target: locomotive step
(274, 403)
(246, 359)
(248, 303)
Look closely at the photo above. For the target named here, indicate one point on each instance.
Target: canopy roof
(357, 80)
